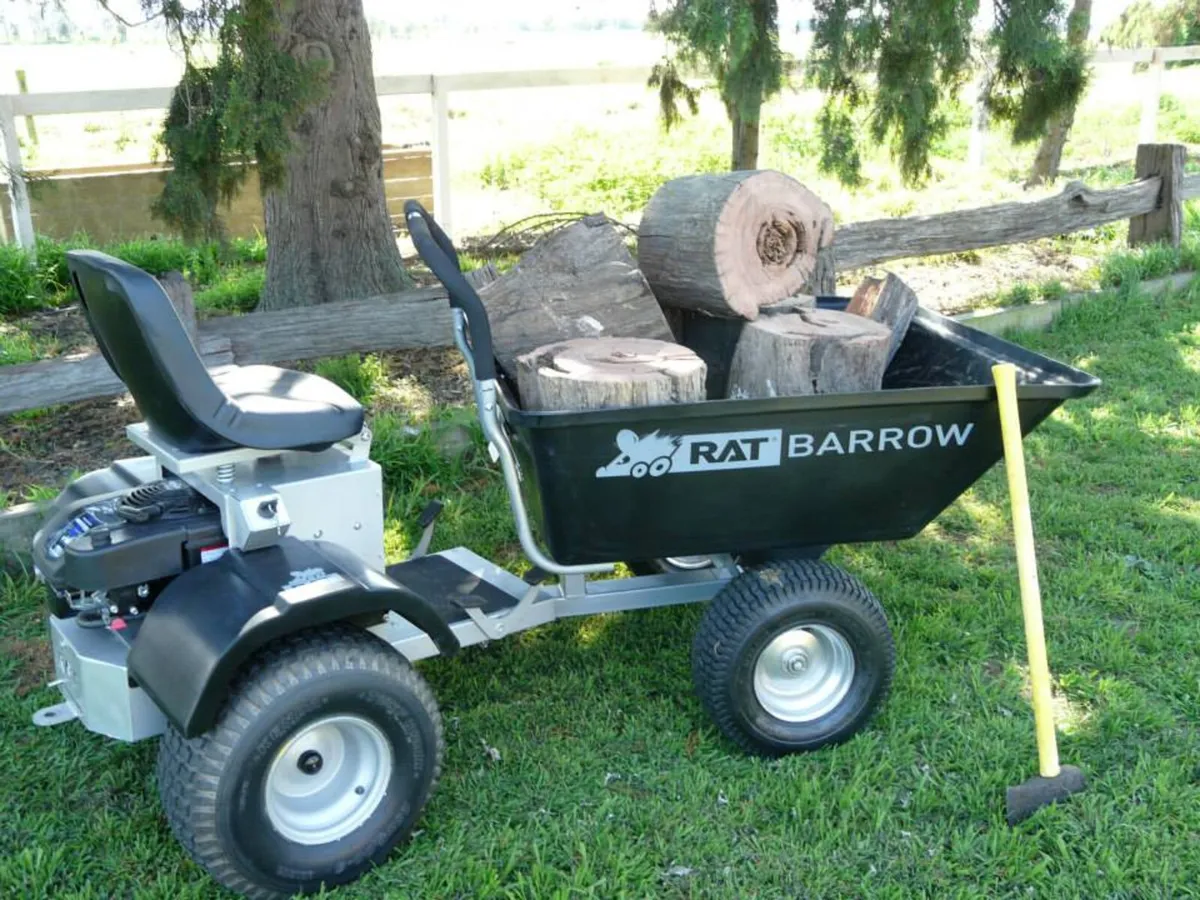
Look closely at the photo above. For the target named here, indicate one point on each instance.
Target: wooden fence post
(17, 189)
(441, 156)
(1165, 222)
(1148, 128)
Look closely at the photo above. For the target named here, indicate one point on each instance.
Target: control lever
(427, 520)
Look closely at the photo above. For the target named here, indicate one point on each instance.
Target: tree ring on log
(766, 240)
(780, 241)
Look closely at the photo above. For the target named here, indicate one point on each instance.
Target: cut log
(714, 340)
(729, 244)
(816, 351)
(580, 281)
(888, 301)
(604, 373)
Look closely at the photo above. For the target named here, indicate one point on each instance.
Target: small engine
(110, 555)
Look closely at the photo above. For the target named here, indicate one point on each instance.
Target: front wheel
(792, 657)
(321, 762)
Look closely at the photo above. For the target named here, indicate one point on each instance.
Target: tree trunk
(606, 373)
(728, 244)
(745, 139)
(329, 235)
(815, 351)
(1049, 155)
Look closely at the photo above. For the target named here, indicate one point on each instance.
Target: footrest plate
(449, 587)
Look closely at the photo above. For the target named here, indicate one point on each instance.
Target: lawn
(611, 782)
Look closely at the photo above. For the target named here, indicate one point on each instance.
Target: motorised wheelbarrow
(229, 589)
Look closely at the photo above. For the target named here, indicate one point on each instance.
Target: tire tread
(189, 769)
(742, 604)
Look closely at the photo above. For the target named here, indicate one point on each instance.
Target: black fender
(208, 622)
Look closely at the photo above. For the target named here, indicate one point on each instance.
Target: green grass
(26, 285)
(235, 289)
(359, 376)
(17, 346)
(610, 774)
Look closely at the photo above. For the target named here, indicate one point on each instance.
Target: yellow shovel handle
(1031, 597)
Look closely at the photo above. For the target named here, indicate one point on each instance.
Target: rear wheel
(321, 762)
(791, 657)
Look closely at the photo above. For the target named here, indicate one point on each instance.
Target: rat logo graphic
(651, 455)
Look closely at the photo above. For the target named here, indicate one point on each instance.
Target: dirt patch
(993, 668)
(46, 447)
(440, 374)
(65, 328)
(34, 663)
(959, 283)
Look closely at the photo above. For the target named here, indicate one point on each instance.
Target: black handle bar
(438, 253)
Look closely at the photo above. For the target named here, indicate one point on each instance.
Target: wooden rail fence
(439, 88)
(421, 318)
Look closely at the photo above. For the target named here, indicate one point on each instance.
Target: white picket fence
(439, 88)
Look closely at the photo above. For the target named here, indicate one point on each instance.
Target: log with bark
(579, 281)
(604, 373)
(814, 351)
(715, 340)
(731, 243)
(888, 301)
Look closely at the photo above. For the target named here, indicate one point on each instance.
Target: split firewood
(731, 243)
(579, 281)
(604, 373)
(815, 351)
(888, 301)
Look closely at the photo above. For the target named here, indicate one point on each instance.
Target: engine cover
(128, 539)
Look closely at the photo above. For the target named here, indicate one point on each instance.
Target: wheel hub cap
(327, 779)
(804, 673)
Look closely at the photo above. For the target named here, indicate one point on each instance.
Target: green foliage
(239, 109)
(1176, 121)
(26, 286)
(359, 376)
(1037, 74)
(735, 41)
(1022, 293)
(236, 290)
(18, 347)
(891, 69)
(667, 80)
(1153, 23)
(20, 286)
(1127, 268)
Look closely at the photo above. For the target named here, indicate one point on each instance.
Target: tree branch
(116, 15)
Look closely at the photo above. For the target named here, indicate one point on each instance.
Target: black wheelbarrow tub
(729, 476)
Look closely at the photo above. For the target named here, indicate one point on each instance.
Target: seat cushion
(279, 409)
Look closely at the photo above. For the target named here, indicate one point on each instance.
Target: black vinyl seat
(146, 344)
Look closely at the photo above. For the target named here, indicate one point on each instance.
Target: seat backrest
(147, 345)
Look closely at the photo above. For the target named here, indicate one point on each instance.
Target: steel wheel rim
(688, 563)
(804, 673)
(327, 779)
